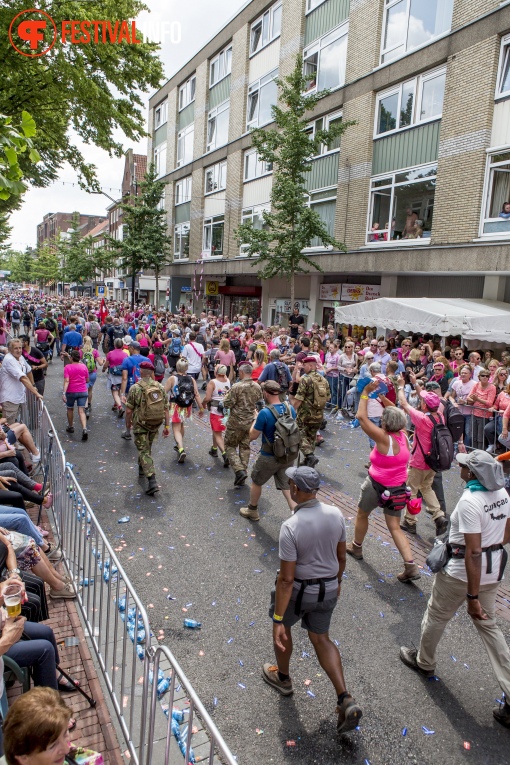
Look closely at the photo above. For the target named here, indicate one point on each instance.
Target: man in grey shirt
(312, 562)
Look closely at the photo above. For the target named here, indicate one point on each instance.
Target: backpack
(50, 325)
(175, 346)
(263, 347)
(454, 420)
(281, 375)
(151, 411)
(235, 345)
(321, 392)
(184, 391)
(15, 315)
(440, 456)
(159, 365)
(287, 439)
(94, 330)
(27, 318)
(117, 332)
(89, 361)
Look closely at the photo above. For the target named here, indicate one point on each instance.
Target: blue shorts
(79, 398)
(92, 379)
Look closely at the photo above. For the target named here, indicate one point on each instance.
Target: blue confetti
(427, 731)
(404, 731)
(311, 694)
(241, 686)
(230, 640)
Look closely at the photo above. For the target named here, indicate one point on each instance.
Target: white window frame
(504, 56)
(213, 144)
(311, 202)
(224, 62)
(183, 191)
(219, 177)
(247, 214)
(490, 166)
(417, 103)
(187, 92)
(179, 230)
(312, 127)
(161, 114)
(267, 20)
(160, 159)
(256, 87)
(311, 5)
(332, 36)
(210, 223)
(388, 4)
(374, 179)
(182, 134)
(260, 170)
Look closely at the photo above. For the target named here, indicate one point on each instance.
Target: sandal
(72, 724)
(64, 686)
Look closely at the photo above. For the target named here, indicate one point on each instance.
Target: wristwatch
(13, 571)
(471, 597)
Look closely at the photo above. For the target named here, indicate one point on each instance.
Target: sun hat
(488, 470)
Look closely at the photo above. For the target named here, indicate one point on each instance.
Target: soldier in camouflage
(240, 401)
(309, 402)
(146, 434)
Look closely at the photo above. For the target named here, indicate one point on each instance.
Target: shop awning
(483, 320)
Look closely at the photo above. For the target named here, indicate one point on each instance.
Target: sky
(182, 29)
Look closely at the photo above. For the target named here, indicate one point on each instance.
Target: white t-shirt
(484, 512)
(11, 389)
(194, 356)
(462, 390)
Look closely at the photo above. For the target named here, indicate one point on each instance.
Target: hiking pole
(46, 472)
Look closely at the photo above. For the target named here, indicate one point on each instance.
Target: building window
(216, 177)
(255, 167)
(183, 191)
(161, 114)
(324, 203)
(181, 241)
(324, 123)
(255, 215)
(312, 4)
(220, 66)
(402, 206)
(217, 126)
(266, 28)
(213, 235)
(187, 92)
(408, 24)
(160, 159)
(411, 102)
(262, 95)
(185, 145)
(324, 61)
(503, 86)
(496, 218)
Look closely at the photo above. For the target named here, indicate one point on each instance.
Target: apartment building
(416, 190)
(53, 224)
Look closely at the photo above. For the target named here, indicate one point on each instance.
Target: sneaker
(270, 675)
(53, 553)
(182, 455)
(176, 448)
(319, 440)
(226, 461)
(355, 550)
(35, 458)
(349, 715)
(85, 435)
(48, 500)
(240, 477)
(250, 513)
(410, 573)
(409, 527)
(213, 451)
(69, 429)
(409, 657)
(67, 592)
(490, 449)
(501, 713)
(441, 525)
(120, 413)
(87, 412)
(126, 435)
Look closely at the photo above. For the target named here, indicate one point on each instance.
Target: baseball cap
(305, 478)
(127, 340)
(135, 345)
(147, 365)
(488, 471)
(310, 359)
(157, 344)
(431, 399)
(271, 386)
(394, 350)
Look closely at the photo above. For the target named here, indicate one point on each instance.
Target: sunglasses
(482, 376)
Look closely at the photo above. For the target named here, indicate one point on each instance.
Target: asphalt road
(190, 543)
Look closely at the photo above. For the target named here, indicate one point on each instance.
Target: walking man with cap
(480, 526)
(240, 401)
(312, 562)
(267, 465)
(146, 409)
(310, 402)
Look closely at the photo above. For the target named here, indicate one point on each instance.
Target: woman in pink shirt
(112, 364)
(501, 404)
(388, 472)
(76, 378)
(225, 355)
(482, 397)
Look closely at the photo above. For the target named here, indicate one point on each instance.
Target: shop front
(336, 295)
(241, 301)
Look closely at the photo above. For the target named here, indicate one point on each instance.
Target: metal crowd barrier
(118, 627)
(474, 429)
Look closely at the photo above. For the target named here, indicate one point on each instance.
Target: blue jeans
(92, 379)
(376, 421)
(493, 429)
(79, 398)
(333, 386)
(468, 430)
(40, 653)
(13, 519)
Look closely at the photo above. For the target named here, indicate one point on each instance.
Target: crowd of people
(421, 402)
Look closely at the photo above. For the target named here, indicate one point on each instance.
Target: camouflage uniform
(240, 400)
(143, 437)
(309, 417)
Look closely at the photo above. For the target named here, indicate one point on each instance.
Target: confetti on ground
(427, 731)
(310, 693)
(291, 743)
(467, 745)
(404, 731)
(259, 731)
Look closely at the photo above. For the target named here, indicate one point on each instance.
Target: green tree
(292, 224)
(46, 267)
(14, 143)
(77, 93)
(71, 248)
(145, 243)
(21, 265)
(102, 259)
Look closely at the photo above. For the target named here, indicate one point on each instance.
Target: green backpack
(89, 361)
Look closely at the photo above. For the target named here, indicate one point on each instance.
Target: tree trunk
(133, 277)
(156, 271)
(292, 291)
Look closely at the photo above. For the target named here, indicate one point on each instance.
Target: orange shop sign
(358, 293)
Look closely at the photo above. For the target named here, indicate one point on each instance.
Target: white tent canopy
(476, 320)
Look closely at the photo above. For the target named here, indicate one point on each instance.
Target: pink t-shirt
(78, 376)
(423, 433)
(227, 358)
(115, 357)
(144, 342)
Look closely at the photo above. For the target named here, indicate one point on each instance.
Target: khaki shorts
(315, 617)
(369, 499)
(266, 468)
(10, 411)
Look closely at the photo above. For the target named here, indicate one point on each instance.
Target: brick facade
(465, 11)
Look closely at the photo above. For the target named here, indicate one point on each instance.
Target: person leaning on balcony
(15, 380)
(505, 211)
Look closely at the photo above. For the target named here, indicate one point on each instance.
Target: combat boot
(310, 460)
(153, 485)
